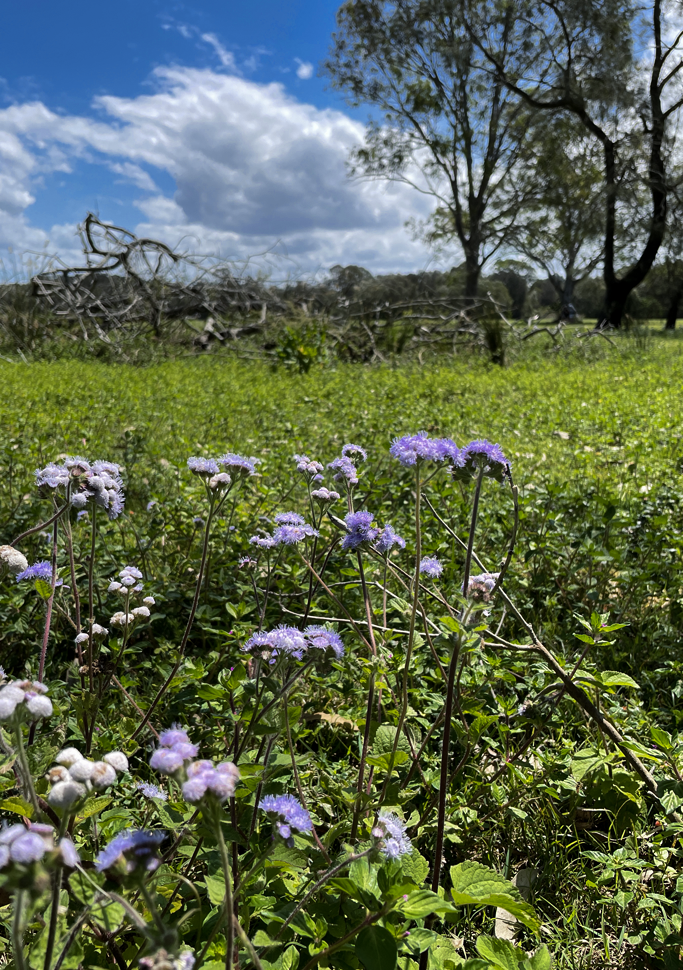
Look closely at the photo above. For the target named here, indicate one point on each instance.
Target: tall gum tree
(449, 126)
(616, 66)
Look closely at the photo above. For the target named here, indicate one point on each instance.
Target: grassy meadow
(596, 445)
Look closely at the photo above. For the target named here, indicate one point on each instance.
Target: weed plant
(330, 731)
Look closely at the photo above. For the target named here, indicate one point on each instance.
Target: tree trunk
(615, 304)
(472, 274)
(672, 315)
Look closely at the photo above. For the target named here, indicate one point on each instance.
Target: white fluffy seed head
(81, 770)
(39, 706)
(99, 631)
(117, 760)
(82, 638)
(8, 706)
(102, 775)
(149, 601)
(141, 611)
(12, 560)
(65, 794)
(68, 757)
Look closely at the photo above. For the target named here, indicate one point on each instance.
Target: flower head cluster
(308, 467)
(344, 470)
(358, 453)
(24, 700)
(23, 845)
(174, 750)
(209, 470)
(128, 584)
(99, 483)
(73, 776)
(263, 542)
(480, 587)
(39, 570)
(290, 642)
(130, 850)
(162, 960)
(392, 831)
(198, 778)
(289, 814)
(361, 529)
(204, 778)
(387, 539)
(430, 566)
(290, 535)
(411, 449)
(325, 495)
(481, 455)
(13, 561)
(238, 465)
(152, 791)
(289, 518)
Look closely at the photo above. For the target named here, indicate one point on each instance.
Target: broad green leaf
(93, 807)
(215, 887)
(43, 589)
(661, 738)
(477, 885)
(376, 948)
(585, 762)
(615, 678)
(415, 867)
(421, 903)
(17, 805)
(541, 960)
(500, 953)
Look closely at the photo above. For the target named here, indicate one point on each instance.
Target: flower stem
(25, 770)
(225, 863)
(18, 931)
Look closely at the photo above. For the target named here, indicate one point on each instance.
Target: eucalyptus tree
(616, 67)
(560, 229)
(444, 122)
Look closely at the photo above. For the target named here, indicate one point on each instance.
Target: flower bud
(81, 770)
(102, 775)
(12, 560)
(68, 757)
(117, 760)
(65, 794)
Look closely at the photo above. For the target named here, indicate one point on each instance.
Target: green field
(597, 452)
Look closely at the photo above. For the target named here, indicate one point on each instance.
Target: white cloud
(252, 167)
(226, 58)
(304, 70)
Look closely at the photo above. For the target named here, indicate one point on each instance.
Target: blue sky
(206, 123)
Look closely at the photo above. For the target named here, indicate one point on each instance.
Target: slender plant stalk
(295, 772)
(91, 606)
(229, 915)
(186, 635)
(18, 930)
(25, 770)
(247, 943)
(371, 700)
(54, 909)
(411, 636)
(40, 527)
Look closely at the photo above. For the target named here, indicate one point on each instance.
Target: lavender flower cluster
(74, 776)
(363, 532)
(464, 463)
(480, 587)
(39, 570)
(219, 473)
(129, 582)
(131, 850)
(290, 642)
(289, 814)
(290, 528)
(391, 831)
(198, 778)
(24, 845)
(99, 483)
(24, 700)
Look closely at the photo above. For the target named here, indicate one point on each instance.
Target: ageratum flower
(206, 467)
(420, 447)
(285, 640)
(480, 587)
(307, 466)
(39, 570)
(290, 814)
(52, 476)
(25, 698)
(344, 470)
(320, 638)
(238, 464)
(361, 529)
(392, 831)
(205, 779)
(325, 496)
(387, 539)
(289, 518)
(289, 535)
(132, 848)
(481, 455)
(152, 791)
(99, 483)
(431, 566)
(263, 542)
(173, 751)
(354, 450)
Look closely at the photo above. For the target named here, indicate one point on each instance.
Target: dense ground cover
(596, 453)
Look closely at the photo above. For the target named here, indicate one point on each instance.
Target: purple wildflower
(172, 736)
(420, 447)
(289, 518)
(263, 542)
(166, 760)
(431, 566)
(360, 529)
(325, 495)
(39, 570)
(344, 470)
(27, 847)
(282, 640)
(392, 830)
(239, 464)
(481, 454)
(203, 778)
(387, 540)
(246, 562)
(134, 847)
(52, 476)
(480, 587)
(206, 467)
(152, 791)
(354, 450)
(289, 535)
(308, 467)
(292, 815)
(320, 638)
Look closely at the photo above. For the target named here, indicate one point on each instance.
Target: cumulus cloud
(251, 164)
(304, 70)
